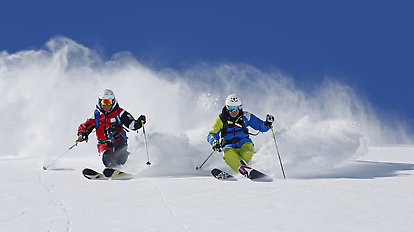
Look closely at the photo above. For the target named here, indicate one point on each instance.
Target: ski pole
(278, 154)
(205, 161)
(146, 146)
(46, 166)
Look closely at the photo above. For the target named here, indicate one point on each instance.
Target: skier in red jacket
(109, 121)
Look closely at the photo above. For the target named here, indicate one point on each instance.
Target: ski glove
(142, 119)
(82, 136)
(216, 145)
(269, 120)
(138, 123)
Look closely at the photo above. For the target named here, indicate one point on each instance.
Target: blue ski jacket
(233, 131)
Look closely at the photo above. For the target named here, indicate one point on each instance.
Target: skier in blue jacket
(231, 127)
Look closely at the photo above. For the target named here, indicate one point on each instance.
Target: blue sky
(368, 45)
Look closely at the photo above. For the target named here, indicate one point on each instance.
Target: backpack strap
(225, 125)
(97, 117)
(239, 124)
(118, 119)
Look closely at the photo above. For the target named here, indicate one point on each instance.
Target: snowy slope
(371, 194)
(340, 175)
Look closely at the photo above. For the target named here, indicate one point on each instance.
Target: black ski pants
(118, 155)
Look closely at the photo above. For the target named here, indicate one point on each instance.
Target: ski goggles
(106, 102)
(234, 108)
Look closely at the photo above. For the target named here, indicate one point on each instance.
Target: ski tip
(254, 174)
(92, 174)
(221, 175)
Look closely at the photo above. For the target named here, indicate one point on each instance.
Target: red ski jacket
(109, 126)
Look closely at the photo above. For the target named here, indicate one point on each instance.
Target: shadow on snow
(364, 170)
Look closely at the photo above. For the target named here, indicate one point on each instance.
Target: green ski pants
(233, 156)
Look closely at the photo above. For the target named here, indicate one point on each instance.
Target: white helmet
(107, 94)
(233, 100)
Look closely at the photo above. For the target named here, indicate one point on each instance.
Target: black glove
(216, 145)
(83, 136)
(269, 120)
(142, 119)
(138, 123)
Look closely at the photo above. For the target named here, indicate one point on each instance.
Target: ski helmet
(233, 100)
(109, 95)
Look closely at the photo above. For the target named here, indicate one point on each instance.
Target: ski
(93, 175)
(254, 174)
(222, 175)
(116, 174)
(108, 173)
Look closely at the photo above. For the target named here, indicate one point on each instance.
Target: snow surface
(344, 170)
(373, 193)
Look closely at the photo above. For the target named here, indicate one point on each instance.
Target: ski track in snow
(58, 199)
(12, 217)
(168, 206)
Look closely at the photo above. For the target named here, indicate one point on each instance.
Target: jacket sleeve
(214, 133)
(127, 120)
(255, 122)
(87, 126)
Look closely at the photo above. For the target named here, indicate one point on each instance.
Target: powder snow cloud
(48, 92)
